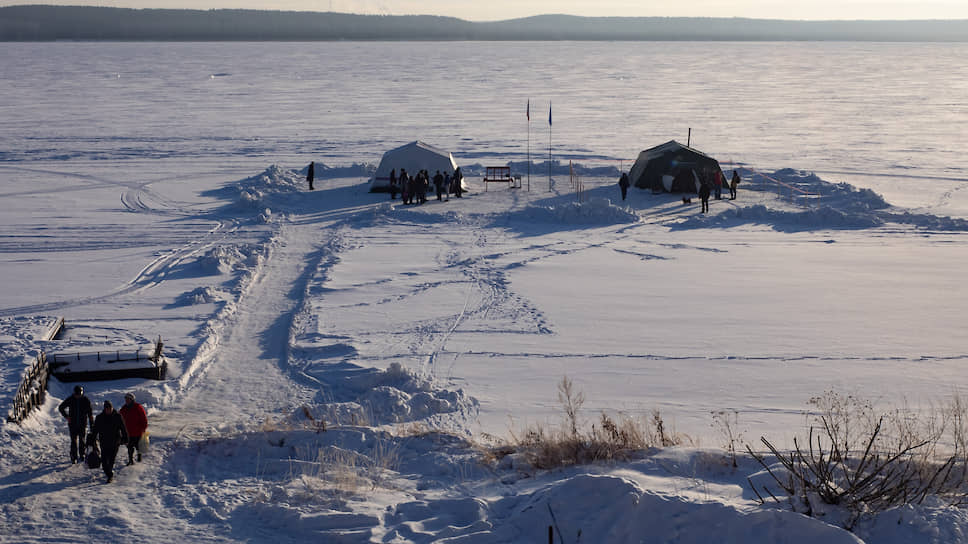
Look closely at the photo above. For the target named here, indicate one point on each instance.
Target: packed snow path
(242, 375)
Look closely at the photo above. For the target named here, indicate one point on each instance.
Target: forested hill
(47, 23)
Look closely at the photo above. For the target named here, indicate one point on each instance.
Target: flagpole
(529, 144)
(549, 146)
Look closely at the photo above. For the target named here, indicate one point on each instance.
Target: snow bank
(817, 204)
(597, 211)
(823, 217)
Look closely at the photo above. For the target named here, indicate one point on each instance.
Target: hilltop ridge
(51, 23)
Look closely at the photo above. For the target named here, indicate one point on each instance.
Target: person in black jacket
(439, 185)
(311, 174)
(458, 182)
(76, 409)
(704, 196)
(623, 184)
(111, 433)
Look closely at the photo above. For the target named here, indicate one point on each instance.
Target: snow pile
(275, 179)
(201, 295)
(225, 259)
(380, 397)
(597, 211)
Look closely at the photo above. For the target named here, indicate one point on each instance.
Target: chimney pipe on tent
(689, 137)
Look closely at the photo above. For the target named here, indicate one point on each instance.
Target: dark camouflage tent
(674, 168)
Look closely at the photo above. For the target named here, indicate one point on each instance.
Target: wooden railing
(32, 391)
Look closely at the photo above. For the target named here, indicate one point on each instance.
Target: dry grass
(611, 437)
(337, 474)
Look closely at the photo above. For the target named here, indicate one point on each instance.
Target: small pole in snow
(689, 137)
(549, 146)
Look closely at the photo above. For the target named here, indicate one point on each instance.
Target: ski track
(149, 276)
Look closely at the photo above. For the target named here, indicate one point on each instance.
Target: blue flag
(549, 114)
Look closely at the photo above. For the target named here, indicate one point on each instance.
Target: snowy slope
(339, 361)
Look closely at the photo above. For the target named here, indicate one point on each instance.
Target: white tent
(412, 157)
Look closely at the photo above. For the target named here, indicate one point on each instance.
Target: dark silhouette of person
(458, 182)
(439, 185)
(704, 196)
(76, 409)
(732, 185)
(311, 174)
(623, 184)
(111, 433)
(393, 184)
(405, 188)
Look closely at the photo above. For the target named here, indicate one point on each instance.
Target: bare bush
(728, 424)
(867, 463)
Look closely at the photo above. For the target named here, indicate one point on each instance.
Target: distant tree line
(49, 23)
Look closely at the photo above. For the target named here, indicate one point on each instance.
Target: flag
(549, 114)
(528, 111)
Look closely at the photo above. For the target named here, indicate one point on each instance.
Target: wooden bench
(498, 174)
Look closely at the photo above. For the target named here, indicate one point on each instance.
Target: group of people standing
(109, 430)
(415, 187)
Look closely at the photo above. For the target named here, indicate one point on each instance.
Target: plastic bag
(143, 443)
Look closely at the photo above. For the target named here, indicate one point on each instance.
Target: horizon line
(625, 17)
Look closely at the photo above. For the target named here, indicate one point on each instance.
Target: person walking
(111, 433)
(311, 174)
(704, 196)
(732, 185)
(623, 184)
(447, 182)
(718, 183)
(76, 409)
(136, 423)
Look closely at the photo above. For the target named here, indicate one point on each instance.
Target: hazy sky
(477, 10)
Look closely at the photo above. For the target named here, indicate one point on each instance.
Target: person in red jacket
(135, 422)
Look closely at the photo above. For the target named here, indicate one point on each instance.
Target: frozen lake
(889, 116)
